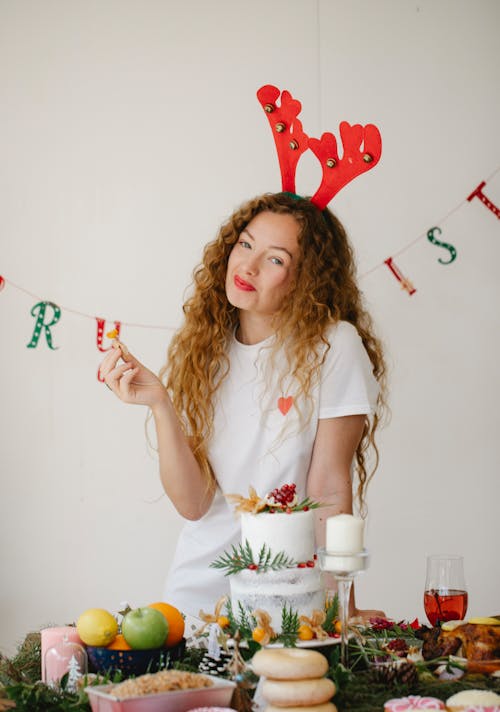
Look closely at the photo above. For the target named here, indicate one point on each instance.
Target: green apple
(144, 628)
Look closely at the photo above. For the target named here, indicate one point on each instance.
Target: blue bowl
(133, 662)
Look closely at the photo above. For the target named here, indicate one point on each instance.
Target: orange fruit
(258, 634)
(175, 622)
(305, 632)
(223, 621)
(119, 643)
(337, 627)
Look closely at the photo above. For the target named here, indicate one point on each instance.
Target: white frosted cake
(296, 586)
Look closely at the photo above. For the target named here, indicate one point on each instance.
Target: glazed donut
(289, 663)
(325, 707)
(298, 693)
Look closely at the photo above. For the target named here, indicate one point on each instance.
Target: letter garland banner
(47, 314)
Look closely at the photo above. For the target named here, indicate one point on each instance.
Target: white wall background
(129, 129)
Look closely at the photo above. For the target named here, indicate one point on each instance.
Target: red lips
(241, 284)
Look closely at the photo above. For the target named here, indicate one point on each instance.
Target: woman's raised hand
(131, 381)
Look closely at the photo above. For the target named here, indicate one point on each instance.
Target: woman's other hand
(130, 380)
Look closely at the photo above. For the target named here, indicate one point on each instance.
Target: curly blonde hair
(323, 292)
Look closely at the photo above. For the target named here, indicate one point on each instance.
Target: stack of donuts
(294, 680)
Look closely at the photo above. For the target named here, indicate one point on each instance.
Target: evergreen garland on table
(362, 690)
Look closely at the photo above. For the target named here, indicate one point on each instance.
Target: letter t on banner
(478, 193)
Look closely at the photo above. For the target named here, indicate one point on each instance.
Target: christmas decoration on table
(244, 679)
(357, 688)
(256, 630)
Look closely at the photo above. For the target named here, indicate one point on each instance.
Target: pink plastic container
(219, 695)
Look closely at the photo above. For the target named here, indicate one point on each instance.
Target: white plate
(314, 643)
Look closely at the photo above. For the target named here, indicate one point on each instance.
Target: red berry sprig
(283, 496)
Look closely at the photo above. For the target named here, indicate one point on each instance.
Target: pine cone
(394, 672)
(386, 673)
(407, 673)
(210, 666)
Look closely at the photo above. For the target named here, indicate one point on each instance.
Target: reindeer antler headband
(362, 146)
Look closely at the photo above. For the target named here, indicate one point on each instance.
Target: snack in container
(473, 699)
(413, 702)
(160, 692)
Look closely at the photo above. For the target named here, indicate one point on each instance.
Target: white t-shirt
(260, 440)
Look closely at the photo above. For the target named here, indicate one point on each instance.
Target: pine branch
(241, 557)
(289, 627)
(307, 502)
(332, 613)
(281, 561)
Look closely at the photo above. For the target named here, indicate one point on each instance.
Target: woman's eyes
(275, 260)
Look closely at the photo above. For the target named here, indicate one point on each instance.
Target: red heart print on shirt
(284, 404)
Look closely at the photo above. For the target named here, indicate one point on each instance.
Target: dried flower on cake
(252, 504)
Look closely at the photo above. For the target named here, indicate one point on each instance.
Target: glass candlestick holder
(344, 567)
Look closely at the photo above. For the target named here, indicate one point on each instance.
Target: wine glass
(445, 596)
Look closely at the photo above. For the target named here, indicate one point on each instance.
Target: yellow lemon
(97, 627)
(485, 620)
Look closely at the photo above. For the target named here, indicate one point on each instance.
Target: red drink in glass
(445, 605)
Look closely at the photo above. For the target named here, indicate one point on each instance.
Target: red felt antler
(290, 140)
(355, 160)
(362, 146)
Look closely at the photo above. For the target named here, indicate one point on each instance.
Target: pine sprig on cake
(241, 557)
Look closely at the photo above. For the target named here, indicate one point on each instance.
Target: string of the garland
(39, 310)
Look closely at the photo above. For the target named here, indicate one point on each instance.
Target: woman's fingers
(114, 377)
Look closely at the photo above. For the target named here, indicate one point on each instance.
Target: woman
(271, 380)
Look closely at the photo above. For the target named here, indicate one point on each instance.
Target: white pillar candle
(344, 534)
